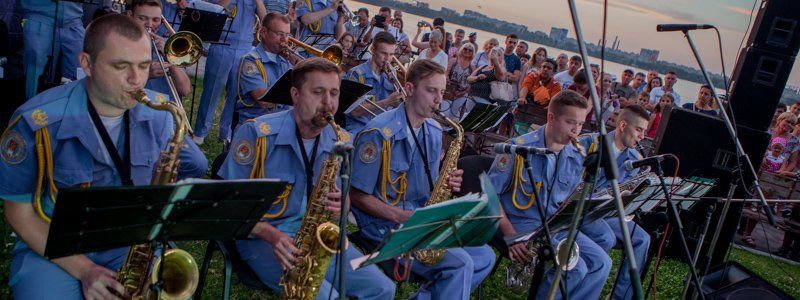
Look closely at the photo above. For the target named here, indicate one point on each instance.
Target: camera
(380, 21)
(421, 24)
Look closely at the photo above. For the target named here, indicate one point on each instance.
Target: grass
(669, 284)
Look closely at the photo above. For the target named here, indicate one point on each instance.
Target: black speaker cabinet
(765, 63)
(705, 149)
(735, 282)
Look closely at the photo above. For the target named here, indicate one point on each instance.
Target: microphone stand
(608, 162)
(732, 131)
(344, 176)
(545, 252)
(679, 228)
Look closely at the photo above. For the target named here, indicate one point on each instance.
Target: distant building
(449, 12)
(649, 55)
(558, 34)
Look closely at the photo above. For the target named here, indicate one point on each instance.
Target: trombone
(391, 69)
(333, 53)
(181, 49)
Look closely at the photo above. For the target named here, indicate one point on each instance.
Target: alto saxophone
(180, 275)
(441, 190)
(317, 238)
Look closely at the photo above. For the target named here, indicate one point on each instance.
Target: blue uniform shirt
(327, 23)
(44, 10)
(78, 155)
(284, 161)
(241, 21)
(382, 87)
(590, 143)
(251, 78)
(554, 175)
(407, 183)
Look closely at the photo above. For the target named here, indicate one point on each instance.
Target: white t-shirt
(564, 79)
(113, 126)
(440, 58)
(656, 93)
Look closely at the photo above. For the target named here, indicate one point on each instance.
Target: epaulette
(266, 124)
(45, 114)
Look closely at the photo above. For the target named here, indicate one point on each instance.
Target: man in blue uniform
(631, 127)
(50, 145)
(40, 18)
(319, 17)
(149, 13)
(397, 163)
(371, 73)
(261, 68)
(554, 178)
(222, 64)
(291, 145)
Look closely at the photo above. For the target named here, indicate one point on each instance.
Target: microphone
(341, 148)
(652, 160)
(503, 148)
(682, 27)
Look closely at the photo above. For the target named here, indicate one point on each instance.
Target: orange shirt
(541, 94)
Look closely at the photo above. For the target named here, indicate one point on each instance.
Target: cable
(658, 259)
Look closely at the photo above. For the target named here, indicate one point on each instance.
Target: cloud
(736, 9)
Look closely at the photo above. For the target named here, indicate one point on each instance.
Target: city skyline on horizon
(729, 16)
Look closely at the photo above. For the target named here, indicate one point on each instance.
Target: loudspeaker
(705, 149)
(764, 65)
(733, 281)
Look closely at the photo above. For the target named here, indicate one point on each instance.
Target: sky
(635, 22)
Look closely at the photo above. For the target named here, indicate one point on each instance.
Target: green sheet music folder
(470, 220)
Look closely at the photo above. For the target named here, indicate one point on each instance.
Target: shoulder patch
(13, 147)
(503, 160)
(39, 117)
(264, 128)
(368, 152)
(243, 152)
(249, 68)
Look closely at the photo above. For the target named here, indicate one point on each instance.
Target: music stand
(319, 40)
(482, 117)
(101, 218)
(206, 24)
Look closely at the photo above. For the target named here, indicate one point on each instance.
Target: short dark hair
(383, 37)
(672, 72)
(314, 64)
(576, 58)
(633, 110)
(705, 86)
(524, 43)
(512, 36)
(136, 3)
(98, 31)
(640, 74)
(438, 22)
(459, 30)
(551, 62)
(567, 98)
(364, 10)
(580, 77)
(423, 69)
(385, 8)
(628, 71)
(526, 56)
(274, 16)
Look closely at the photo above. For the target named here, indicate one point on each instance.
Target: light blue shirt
(250, 79)
(382, 87)
(69, 13)
(328, 23)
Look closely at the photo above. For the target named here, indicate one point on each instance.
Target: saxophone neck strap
(421, 148)
(308, 164)
(121, 163)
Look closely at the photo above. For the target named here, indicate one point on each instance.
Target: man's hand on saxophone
(97, 282)
(455, 179)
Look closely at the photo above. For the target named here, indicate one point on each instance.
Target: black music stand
(102, 218)
(319, 40)
(207, 25)
(481, 118)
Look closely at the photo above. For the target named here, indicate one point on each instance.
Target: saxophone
(441, 190)
(180, 275)
(317, 238)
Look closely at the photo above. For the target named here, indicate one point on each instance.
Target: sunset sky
(635, 22)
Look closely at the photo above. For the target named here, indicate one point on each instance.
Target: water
(687, 89)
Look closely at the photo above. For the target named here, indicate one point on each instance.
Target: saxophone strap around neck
(121, 163)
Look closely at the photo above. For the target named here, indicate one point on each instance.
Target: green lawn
(669, 284)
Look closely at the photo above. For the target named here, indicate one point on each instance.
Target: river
(687, 89)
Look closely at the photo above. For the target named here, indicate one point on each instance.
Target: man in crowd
(623, 87)
(222, 66)
(473, 38)
(565, 78)
(522, 49)
(148, 13)
(38, 40)
(562, 62)
(512, 62)
(795, 108)
(650, 75)
(459, 40)
(669, 83)
(261, 68)
(539, 87)
(409, 167)
(119, 145)
(554, 178)
(630, 129)
(294, 141)
(638, 84)
(358, 31)
(372, 74)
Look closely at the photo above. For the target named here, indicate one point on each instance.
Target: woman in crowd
(403, 50)
(653, 83)
(457, 72)
(703, 104)
(435, 51)
(664, 103)
(480, 82)
(533, 64)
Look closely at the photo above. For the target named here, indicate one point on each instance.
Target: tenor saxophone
(318, 237)
(141, 267)
(441, 190)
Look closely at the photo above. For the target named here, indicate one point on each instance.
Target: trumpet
(334, 53)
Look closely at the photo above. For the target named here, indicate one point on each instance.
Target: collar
(367, 72)
(286, 134)
(266, 56)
